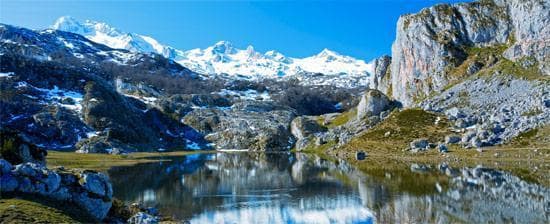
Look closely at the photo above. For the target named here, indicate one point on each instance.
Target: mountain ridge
(222, 57)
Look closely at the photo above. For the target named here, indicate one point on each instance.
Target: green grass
(526, 156)
(343, 118)
(534, 138)
(16, 210)
(533, 112)
(403, 126)
(103, 162)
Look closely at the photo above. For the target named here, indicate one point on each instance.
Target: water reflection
(299, 188)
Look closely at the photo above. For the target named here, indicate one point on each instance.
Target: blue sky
(362, 29)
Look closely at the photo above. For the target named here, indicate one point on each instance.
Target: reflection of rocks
(221, 185)
(479, 192)
(229, 180)
(478, 195)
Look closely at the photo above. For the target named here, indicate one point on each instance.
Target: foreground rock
(89, 190)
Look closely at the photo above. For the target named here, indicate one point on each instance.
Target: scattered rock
(361, 155)
(476, 142)
(419, 168)
(442, 148)
(419, 145)
(16, 149)
(452, 139)
(143, 218)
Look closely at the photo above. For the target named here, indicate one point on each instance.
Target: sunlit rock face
(431, 42)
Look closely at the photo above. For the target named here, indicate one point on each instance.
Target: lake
(243, 187)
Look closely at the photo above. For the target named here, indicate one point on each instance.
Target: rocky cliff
(436, 40)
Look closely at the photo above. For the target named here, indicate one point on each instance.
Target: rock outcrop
(372, 103)
(493, 111)
(252, 125)
(530, 20)
(435, 40)
(381, 78)
(90, 191)
(303, 128)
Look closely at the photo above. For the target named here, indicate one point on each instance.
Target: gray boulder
(16, 148)
(303, 129)
(372, 103)
(5, 167)
(476, 142)
(419, 145)
(102, 144)
(452, 139)
(442, 148)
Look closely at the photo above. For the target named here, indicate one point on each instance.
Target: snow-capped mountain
(223, 57)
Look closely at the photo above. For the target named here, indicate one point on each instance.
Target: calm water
(300, 188)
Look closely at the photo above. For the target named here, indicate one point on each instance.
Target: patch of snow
(59, 96)
(66, 43)
(6, 74)
(21, 84)
(249, 94)
(192, 145)
(144, 99)
(92, 134)
(16, 117)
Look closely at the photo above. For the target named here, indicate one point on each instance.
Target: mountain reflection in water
(299, 188)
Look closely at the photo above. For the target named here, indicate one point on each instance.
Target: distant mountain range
(222, 57)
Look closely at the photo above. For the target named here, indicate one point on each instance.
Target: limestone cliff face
(381, 77)
(531, 22)
(433, 41)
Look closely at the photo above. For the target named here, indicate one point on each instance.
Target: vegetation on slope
(527, 156)
(16, 210)
(403, 127)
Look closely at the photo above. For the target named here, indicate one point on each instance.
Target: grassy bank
(103, 162)
(23, 210)
(527, 156)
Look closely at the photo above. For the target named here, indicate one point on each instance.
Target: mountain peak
(326, 52)
(223, 47)
(67, 23)
(222, 57)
